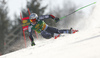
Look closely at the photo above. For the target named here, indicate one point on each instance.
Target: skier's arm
(48, 16)
(30, 34)
(42, 17)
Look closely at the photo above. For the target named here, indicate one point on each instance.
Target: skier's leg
(68, 31)
(65, 31)
(52, 30)
(46, 35)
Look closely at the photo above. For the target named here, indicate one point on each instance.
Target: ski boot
(71, 31)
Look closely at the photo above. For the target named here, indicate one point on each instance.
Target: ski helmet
(33, 17)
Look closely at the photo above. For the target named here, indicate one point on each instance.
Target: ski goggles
(32, 20)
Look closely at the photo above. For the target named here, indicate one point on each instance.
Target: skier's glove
(56, 19)
(33, 44)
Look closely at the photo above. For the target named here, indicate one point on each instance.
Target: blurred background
(11, 34)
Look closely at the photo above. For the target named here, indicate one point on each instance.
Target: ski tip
(56, 36)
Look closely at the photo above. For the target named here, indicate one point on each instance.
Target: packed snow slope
(84, 44)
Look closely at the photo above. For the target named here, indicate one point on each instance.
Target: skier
(38, 25)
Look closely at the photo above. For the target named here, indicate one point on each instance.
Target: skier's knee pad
(46, 34)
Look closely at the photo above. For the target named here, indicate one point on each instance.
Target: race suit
(42, 28)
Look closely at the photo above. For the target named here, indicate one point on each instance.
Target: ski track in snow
(87, 39)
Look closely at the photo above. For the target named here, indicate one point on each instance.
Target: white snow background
(84, 44)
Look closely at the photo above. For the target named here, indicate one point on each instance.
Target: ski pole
(78, 10)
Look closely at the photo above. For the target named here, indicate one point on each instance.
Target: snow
(84, 44)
